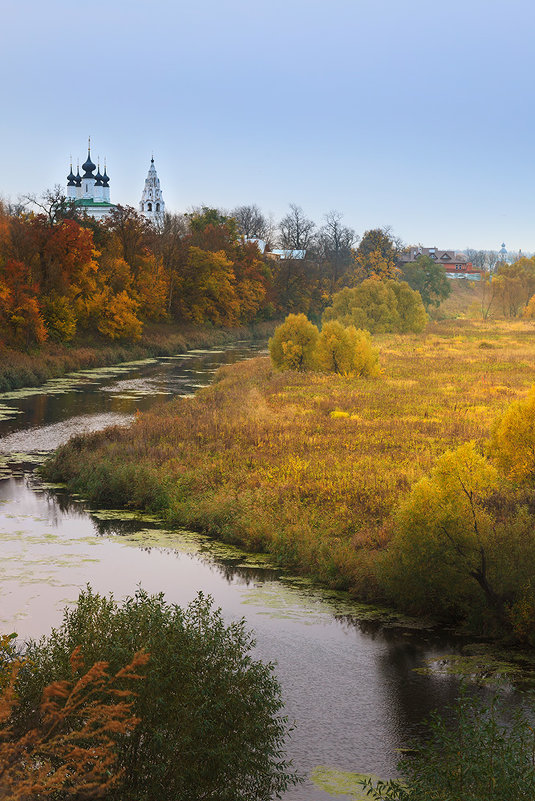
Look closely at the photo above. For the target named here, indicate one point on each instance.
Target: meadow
(308, 466)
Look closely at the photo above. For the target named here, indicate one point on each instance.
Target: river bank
(31, 369)
(308, 467)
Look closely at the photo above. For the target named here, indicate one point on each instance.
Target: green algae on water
(484, 664)
(341, 783)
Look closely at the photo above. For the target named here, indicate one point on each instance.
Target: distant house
(279, 254)
(276, 254)
(455, 264)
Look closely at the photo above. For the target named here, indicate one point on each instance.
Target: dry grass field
(310, 466)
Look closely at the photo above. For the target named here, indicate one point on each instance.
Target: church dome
(71, 178)
(105, 178)
(78, 177)
(98, 179)
(88, 166)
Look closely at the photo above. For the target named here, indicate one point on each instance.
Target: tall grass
(309, 466)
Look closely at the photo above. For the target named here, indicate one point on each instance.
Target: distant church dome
(71, 178)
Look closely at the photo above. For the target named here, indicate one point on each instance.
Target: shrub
(346, 350)
(293, 345)
(70, 747)
(210, 723)
(477, 758)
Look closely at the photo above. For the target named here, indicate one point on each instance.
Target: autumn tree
(294, 344)
(132, 232)
(251, 222)
(22, 323)
(513, 439)
(376, 256)
(410, 308)
(378, 307)
(441, 555)
(206, 288)
(335, 242)
(514, 285)
(346, 351)
(171, 246)
(54, 205)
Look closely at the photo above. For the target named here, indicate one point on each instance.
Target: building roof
(440, 256)
(89, 202)
(288, 254)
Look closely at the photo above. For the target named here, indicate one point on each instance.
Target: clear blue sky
(410, 113)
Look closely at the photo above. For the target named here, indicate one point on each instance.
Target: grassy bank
(29, 369)
(308, 466)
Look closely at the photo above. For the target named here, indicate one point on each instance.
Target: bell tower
(152, 203)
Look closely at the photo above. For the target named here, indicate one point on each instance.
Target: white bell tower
(152, 204)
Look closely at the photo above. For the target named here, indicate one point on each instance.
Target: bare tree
(54, 204)
(335, 243)
(296, 231)
(251, 221)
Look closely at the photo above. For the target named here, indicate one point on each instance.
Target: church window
(149, 206)
(157, 207)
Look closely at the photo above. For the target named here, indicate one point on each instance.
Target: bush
(210, 723)
(476, 759)
(346, 351)
(379, 307)
(293, 345)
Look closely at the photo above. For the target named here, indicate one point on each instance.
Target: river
(350, 684)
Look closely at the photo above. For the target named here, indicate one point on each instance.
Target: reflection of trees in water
(409, 696)
(231, 569)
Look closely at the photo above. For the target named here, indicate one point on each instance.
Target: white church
(91, 192)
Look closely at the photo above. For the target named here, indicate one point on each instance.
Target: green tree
(210, 723)
(429, 279)
(293, 345)
(347, 351)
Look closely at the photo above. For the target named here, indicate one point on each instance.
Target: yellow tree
(347, 351)
(206, 288)
(443, 548)
(375, 264)
(513, 439)
(293, 345)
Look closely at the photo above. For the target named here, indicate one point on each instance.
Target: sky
(414, 114)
